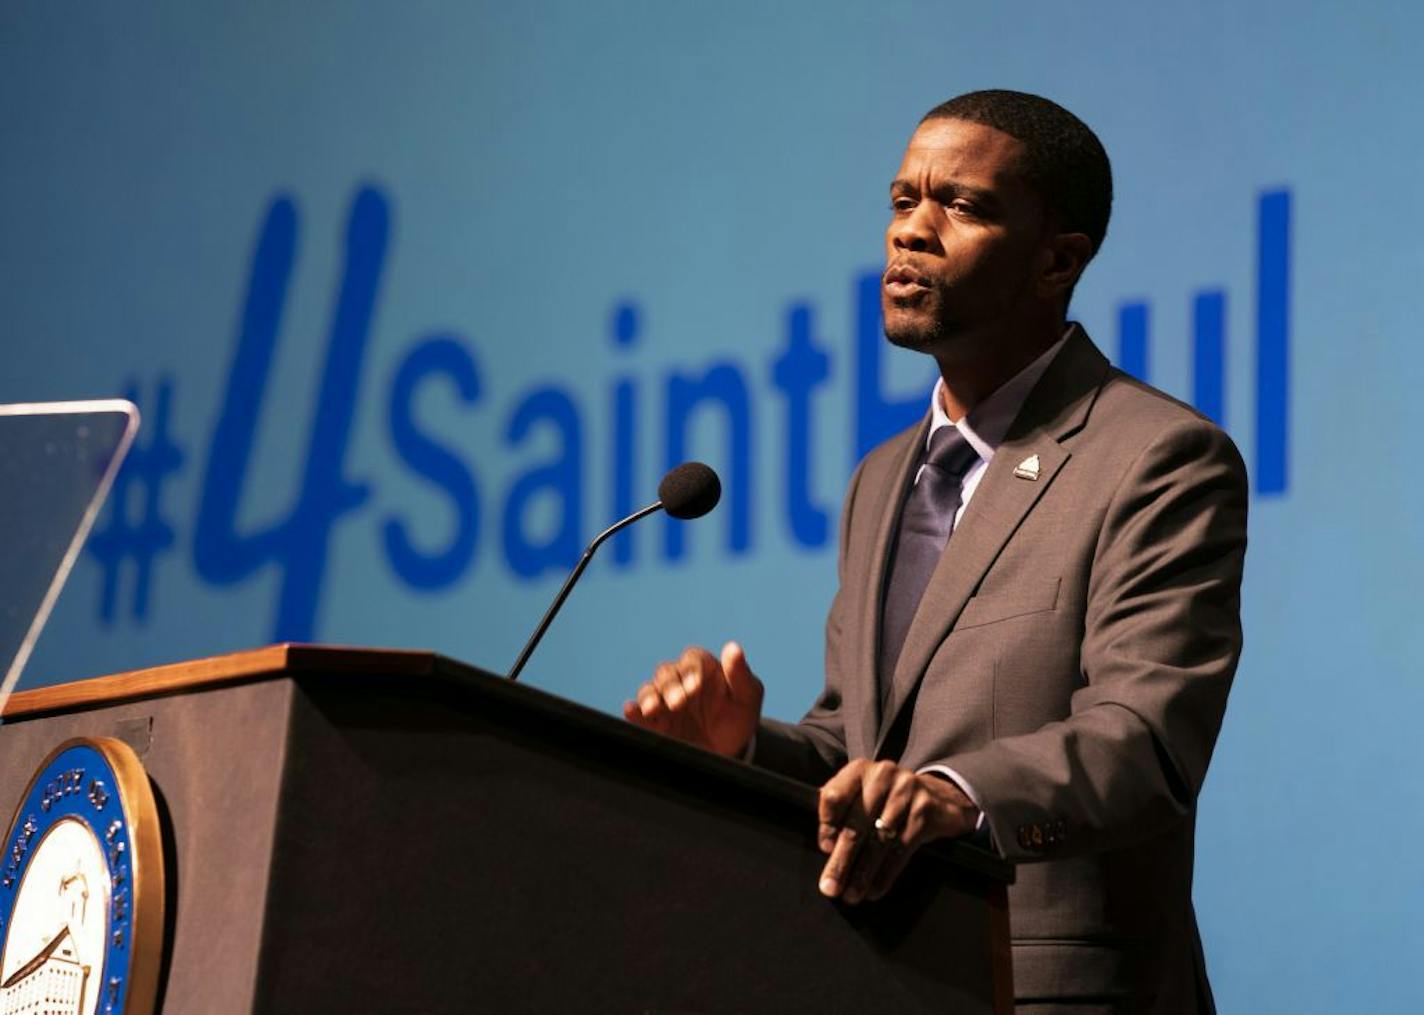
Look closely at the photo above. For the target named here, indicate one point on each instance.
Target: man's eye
(902, 204)
(961, 207)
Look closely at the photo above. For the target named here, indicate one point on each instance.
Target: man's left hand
(874, 815)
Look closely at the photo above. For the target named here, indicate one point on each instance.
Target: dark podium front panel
(381, 831)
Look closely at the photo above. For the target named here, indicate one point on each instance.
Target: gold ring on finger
(885, 832)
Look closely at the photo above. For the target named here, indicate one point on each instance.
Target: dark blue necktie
(925, 526)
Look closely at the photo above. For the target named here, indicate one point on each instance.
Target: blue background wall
(403, 293)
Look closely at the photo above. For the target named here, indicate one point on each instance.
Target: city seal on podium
(81, 887)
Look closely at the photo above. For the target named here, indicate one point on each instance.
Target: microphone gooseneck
(688, 491)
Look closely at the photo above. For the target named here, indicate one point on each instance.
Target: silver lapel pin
(1028, 468)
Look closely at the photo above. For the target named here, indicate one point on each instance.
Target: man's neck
(966, 384)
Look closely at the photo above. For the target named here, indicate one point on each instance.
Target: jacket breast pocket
(1036, 596)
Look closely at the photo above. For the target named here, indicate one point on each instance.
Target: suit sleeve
(1161, 639)
(815, 748)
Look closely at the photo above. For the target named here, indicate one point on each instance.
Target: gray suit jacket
(1071, 659)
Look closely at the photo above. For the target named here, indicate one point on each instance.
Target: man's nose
(915, 231)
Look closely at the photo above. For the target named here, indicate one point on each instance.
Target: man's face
(965, 239)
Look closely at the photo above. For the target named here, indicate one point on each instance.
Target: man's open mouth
(902, 280)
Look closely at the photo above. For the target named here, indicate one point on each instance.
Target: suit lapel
(889, 490)
(1057, 407)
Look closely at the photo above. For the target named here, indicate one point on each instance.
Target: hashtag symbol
(139, 485)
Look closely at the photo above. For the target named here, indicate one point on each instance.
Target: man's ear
(1065, 257)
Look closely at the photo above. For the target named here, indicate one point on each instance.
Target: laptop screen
(57, 462)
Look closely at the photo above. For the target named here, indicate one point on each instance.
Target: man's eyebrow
(987, 197)
(947, 189)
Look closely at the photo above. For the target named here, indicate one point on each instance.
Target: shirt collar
(988, 422)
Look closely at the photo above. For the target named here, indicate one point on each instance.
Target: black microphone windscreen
(690, 490)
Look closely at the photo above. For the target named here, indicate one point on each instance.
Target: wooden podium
(382, 831)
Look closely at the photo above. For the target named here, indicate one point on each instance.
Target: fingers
(836, 874)
(742, 684)
(658, 699)
(916, 814)
(648, 709)
(837, 796)
(843, 825)
(886, 792)
(894, 813)
(668, 679)
(897, 836)
(674, 688)
(873, 816)
(848, 804)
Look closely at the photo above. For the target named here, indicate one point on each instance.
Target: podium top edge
(269, 662)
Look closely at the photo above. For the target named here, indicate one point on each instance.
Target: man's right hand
(698, 699)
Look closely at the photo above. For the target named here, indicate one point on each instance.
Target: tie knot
(950, 452)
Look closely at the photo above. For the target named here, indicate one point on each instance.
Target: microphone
(688, 491)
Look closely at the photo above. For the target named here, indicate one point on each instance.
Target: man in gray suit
(1038, 616)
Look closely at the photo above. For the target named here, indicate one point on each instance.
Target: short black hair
(1066, 163)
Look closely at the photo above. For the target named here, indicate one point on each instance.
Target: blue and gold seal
(81, 887)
